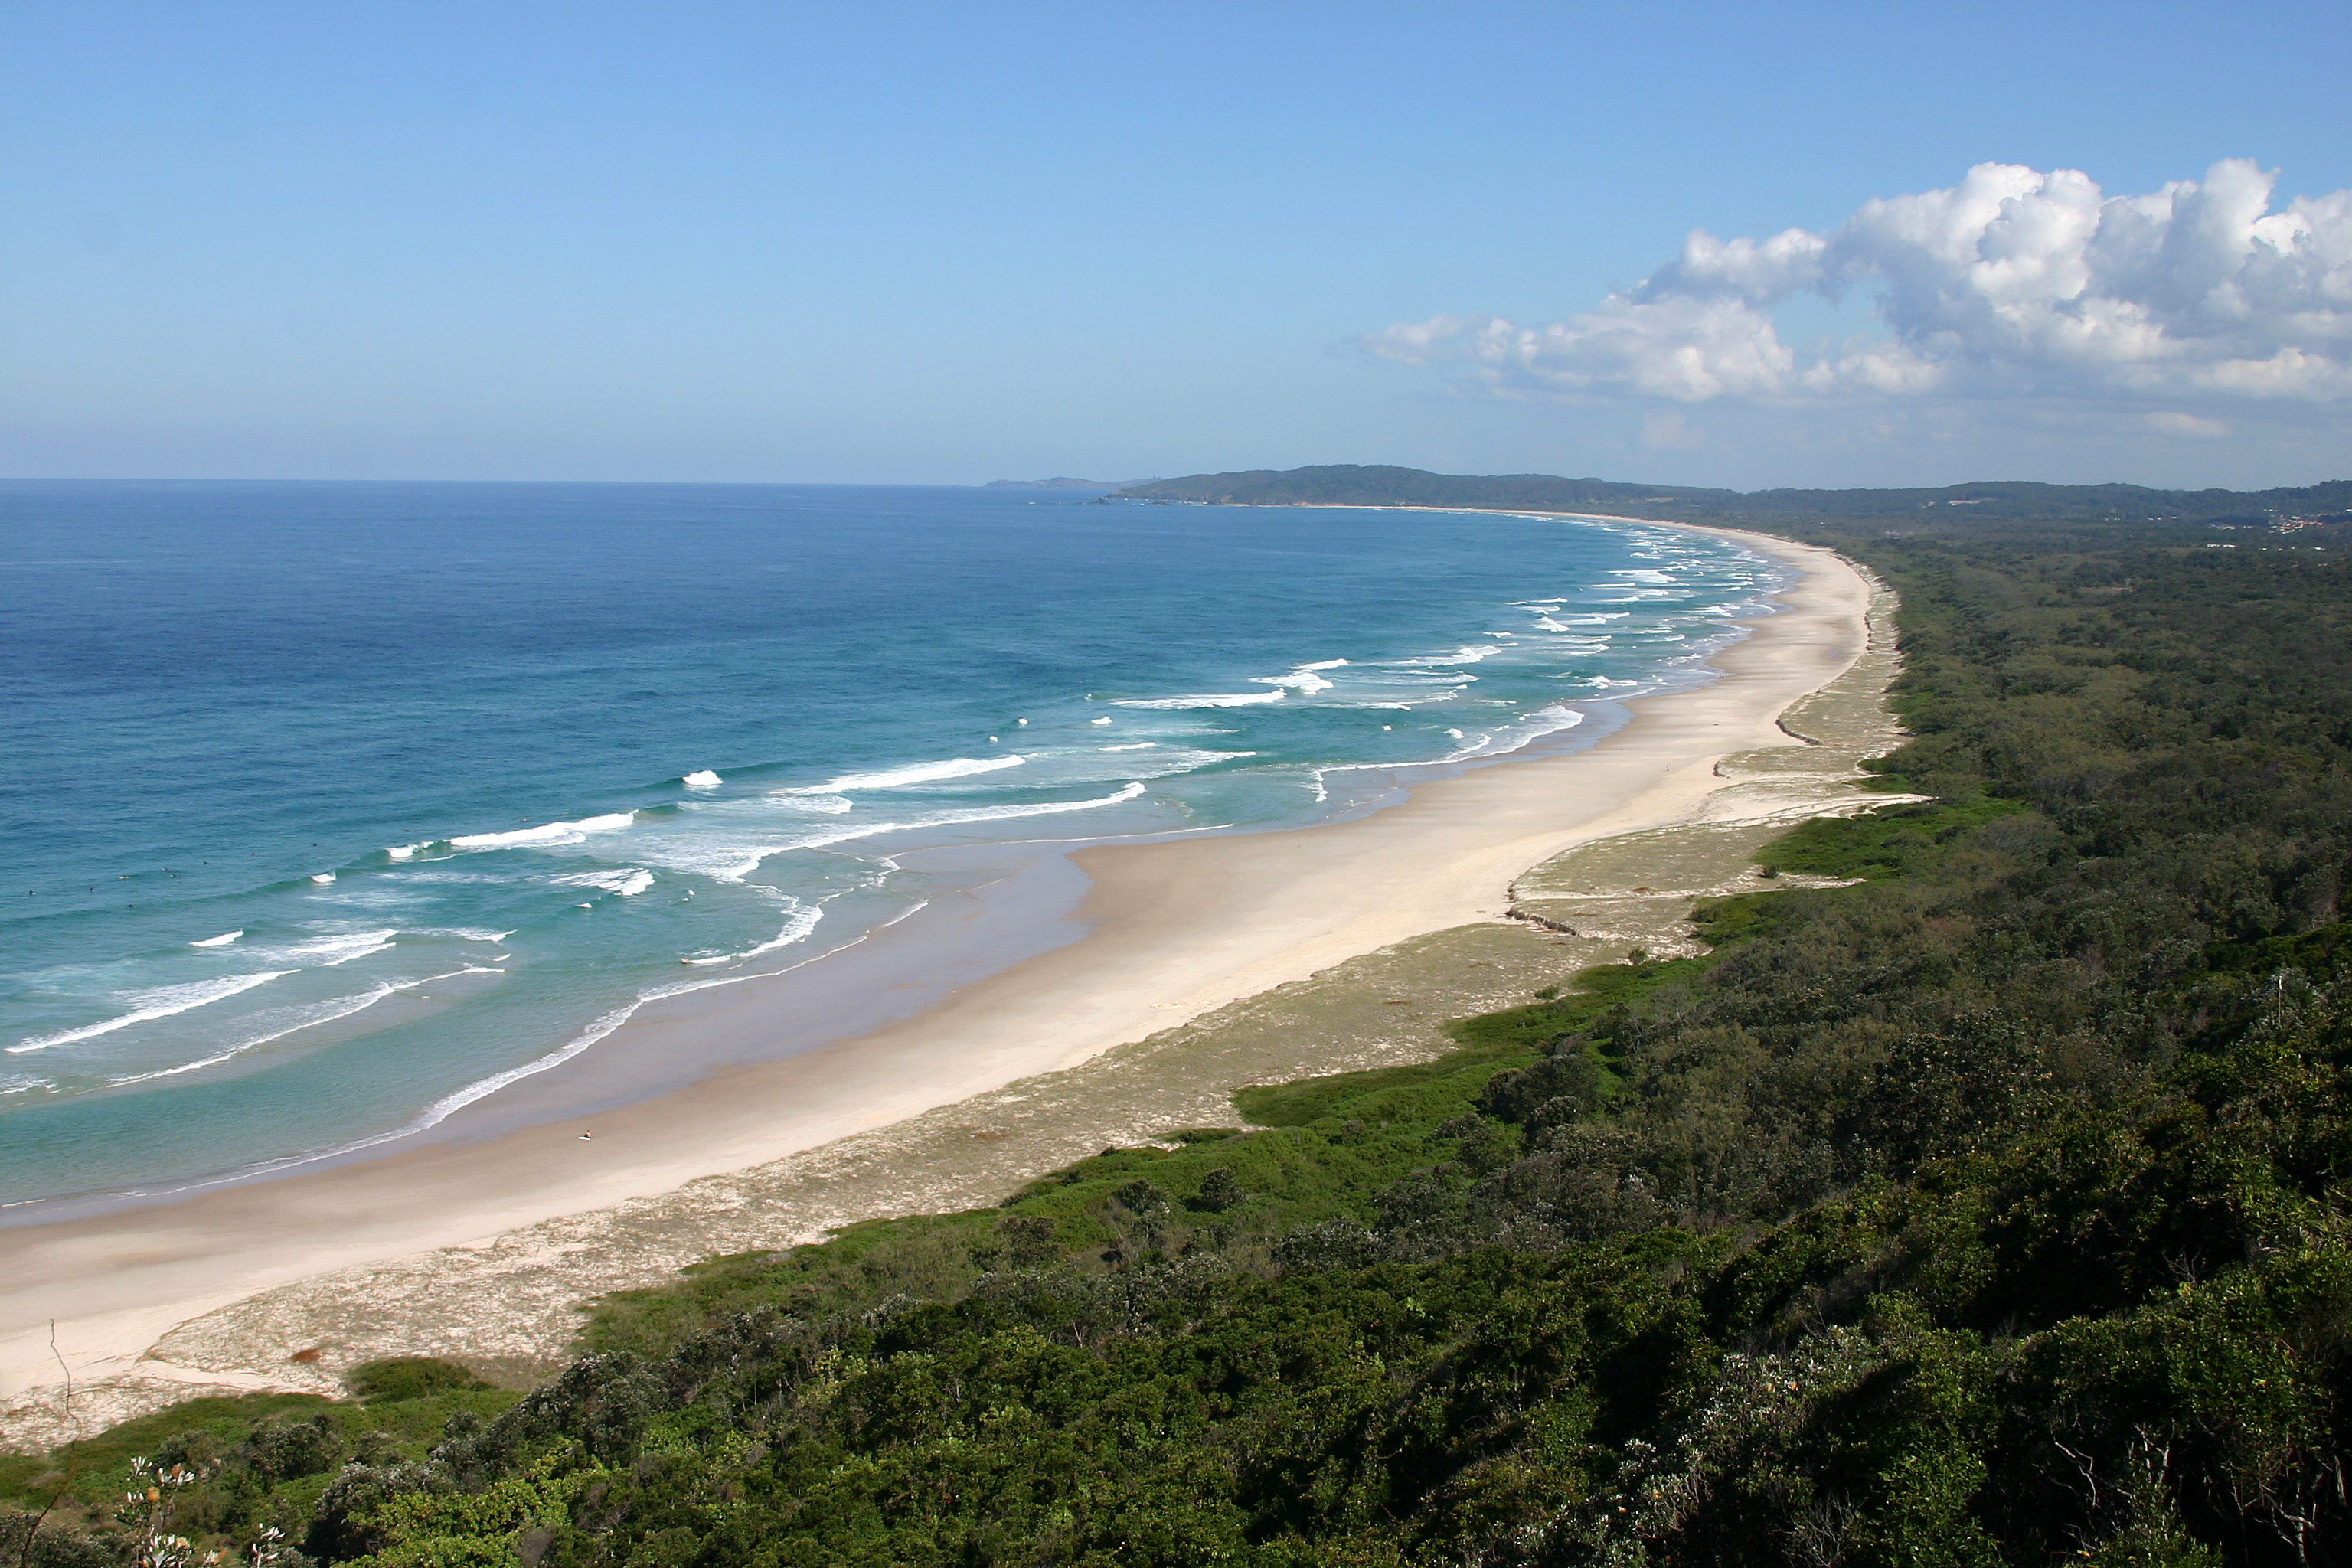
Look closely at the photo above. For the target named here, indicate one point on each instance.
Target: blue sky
(947, 243)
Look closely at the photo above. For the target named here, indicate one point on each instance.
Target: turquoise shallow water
(331, 808)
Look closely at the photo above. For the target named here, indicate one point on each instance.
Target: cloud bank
(2013, 282)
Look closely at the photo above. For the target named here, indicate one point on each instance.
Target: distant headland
(1349, 484)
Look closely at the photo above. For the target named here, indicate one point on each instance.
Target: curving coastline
(1174, 930)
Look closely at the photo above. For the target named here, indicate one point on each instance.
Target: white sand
(1173, 931)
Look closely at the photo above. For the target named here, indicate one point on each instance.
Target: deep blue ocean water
(331, 807)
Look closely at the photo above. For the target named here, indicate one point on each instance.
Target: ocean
(332, 808)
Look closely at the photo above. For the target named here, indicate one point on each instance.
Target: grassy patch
(1307, 1101)
(1531, 1029)
(1722, 922)
(398, 1378)
(1876, 845)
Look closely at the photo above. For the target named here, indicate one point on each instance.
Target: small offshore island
(1885, 1103)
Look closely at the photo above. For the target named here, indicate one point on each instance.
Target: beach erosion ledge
(481, 1250)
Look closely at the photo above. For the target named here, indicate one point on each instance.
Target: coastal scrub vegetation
(1990, 1208)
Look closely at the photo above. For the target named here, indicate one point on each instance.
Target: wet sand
(480, 1249)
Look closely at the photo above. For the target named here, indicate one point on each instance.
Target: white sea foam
(1134, 790)
(1450, 694)
(1544, 721)
(628, 883)
(725, 858)
(162, 1002)
(1118, 764)
(1471, 654)
(733, 859)
(602, 1026)
(402, 851)
(1547, 720)
(464, 933)
(1302, 677)
(798, 923)
(1299, 680)
(703, 779)
(913, 774)
(448, 1105)
(823, 804)
(1002, 812)
(1206, 700)
(327, 951)
(221, 940)
(1644, 575)
(547, 833)
(323, 877)
(302, 1018)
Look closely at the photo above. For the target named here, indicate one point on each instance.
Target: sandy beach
(1173, 932)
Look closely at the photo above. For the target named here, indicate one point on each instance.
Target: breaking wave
(913, 774)
(162, 1002)
(1206, 699)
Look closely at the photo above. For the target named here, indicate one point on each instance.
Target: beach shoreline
(1171, 931)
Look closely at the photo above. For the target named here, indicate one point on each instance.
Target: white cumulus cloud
(2012, 281)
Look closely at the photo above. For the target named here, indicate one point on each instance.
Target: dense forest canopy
(1990, 1209)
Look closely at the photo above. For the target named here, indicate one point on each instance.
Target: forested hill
(1993, 1208)
(1346, 484)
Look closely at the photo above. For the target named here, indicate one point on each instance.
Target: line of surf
(163, 1002)
(327, 1013)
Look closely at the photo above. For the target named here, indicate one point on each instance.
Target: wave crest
(162, 1002)
(912, 773)
(1204, 699)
